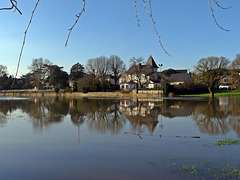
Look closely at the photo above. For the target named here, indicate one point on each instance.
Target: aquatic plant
(227, 141)
(191, 170)
(208, 170)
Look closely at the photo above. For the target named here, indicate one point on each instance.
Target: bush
(57, 89)
(183, 89)
(88, 84)
(68, 89)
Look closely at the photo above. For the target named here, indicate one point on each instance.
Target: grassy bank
(220, 93)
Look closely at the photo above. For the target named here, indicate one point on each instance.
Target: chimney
(139, 66)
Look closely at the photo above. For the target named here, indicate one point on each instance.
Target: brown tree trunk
(211, 92)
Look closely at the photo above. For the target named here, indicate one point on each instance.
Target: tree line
(43, 74)
(100, 71)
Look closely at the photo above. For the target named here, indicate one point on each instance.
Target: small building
(128, 86)
(142, 76)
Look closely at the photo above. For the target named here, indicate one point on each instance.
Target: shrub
(191, 88)
(57, 89)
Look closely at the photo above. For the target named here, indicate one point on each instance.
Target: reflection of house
(140, 114)
(180, 110)
(141, 76)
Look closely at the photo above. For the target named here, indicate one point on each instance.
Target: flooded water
(177, 138)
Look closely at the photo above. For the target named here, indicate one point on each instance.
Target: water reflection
(101, 115)
(211, 117)
(140, 113)
(218, 116)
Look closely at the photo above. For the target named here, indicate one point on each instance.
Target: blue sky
(109, 27)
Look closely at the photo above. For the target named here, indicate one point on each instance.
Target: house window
(225, 80)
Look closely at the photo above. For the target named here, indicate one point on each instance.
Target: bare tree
(235, 70)
(102, 67)
(236, 62)
(210, 70)
(116, 68)
(98, 67)
(3, 70)
(91, 67)
(137, 70)
(135, 61)
(39, 71)
(147, 6)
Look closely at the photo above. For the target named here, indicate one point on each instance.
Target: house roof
(151, 62)
(130, 82)
(160, 75)
(155, 81)
(144, 69)
(179, 77)
(181, 70)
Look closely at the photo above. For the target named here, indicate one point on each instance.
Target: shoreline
(153, 94)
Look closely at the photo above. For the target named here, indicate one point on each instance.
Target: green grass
(227, 141)
(208, 170)
(191, 170)
(220, 93)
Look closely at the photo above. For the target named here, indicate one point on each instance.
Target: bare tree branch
(216, 2)
(153, 22)
(78, 16)
(213, 16)
(14, 6)
(23, 43)
(149, 12)
(135, 5)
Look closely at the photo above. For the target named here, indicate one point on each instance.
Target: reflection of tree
(42, 111)
(234, 119)
(234, 122)
(99, 114)
(2, 118)
(6, 107)
(48, 111)
(214, 117)
(177, 108)
(77, 117)
(209, 118)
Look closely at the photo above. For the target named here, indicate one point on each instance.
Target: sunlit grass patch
(220, 93)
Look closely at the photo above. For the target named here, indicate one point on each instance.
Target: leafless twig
(23, 43)
(213, 16)
(135, 5)
(78, 16)
(216, 2)
(14, 6)
(153, 22)
(139, 134)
